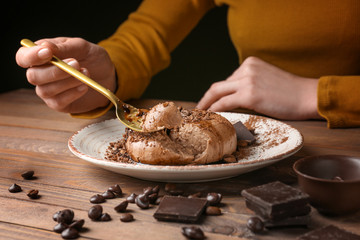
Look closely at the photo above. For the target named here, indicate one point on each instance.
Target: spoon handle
(75, 73)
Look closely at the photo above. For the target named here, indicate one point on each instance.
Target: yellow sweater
(317, 39)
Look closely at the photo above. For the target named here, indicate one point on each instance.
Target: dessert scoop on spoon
(127, 114)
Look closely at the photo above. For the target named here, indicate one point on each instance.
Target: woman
(298, 59)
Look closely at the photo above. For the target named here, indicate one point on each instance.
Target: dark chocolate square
(329, 232)
(242, 133)
(276, 199)
(180, 209)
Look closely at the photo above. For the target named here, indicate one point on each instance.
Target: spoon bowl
(127, 114)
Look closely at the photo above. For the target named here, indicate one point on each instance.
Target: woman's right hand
(58, 89)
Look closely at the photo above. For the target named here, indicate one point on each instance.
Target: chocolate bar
(180, 209)
(242, 133)
(276, 201)
(297, 221)
(329, 232)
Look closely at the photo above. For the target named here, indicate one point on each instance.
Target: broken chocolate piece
(180, 209)
(276, 201)
(242, 133)
(329, 232)
(297, 221)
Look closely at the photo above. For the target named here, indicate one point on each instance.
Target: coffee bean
(193, 233)
(33, 194)
(142, 201)
(55, 216)
(152, 198)
(131, 198)
(70, 233)
(15, 188)
(121, 207)
(78, 224)
(213, 198)
(108, 194)
(116, 189)
(95, 212)
(105, 217)
(126, 217)
(28, 175)
(97, 198)
(255, 224)
(156, 189)
(65, 216)
(212, 210)
(58, 228)
(148, 190)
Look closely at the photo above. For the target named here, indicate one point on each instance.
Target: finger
(227, 103)
(62, 101)
(216, 91)
(46, 74)
(33, 56)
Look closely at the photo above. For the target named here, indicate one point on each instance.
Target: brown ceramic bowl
(331, 181)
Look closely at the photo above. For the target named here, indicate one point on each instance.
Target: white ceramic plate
(275, 141)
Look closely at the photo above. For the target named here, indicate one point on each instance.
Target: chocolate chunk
(95, 212)
(276, 200)
(126, 217)
(329, 232)
(242, 133)
(142, 201)
(78, 225)
(33, 194)
(105, 217)
(97, 198)
(108, 194)
(65, 216)
(193, 233)
(70, 233)
(297, 221)
(214, 198)
(58, 228)
(116, 189)
(255, 224)
(180, 209)
(122, 206)
(131, 198)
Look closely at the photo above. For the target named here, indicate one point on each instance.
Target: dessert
(182, 137)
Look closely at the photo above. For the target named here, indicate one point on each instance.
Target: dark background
(205, 56)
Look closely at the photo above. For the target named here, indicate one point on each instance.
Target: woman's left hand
(266, 89)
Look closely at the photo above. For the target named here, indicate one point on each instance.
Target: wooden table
(34, 137)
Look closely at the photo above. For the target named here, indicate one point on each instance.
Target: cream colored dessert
(200, 137)
(164, 115)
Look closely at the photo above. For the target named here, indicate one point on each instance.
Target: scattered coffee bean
(121, 207)
(15, 188)
(148, 190)
(97, 198)
(28, 175)
(212, 210)
(116, 189)
(70, 233)
(193, 233)
(105, 217)
(195, 195)
(78, 224)
(229, 158)
(95, 212)
(65, 216)
(142, 201)
(108, 194)
(55, 216)
(58, 228)
(156, 189)
(126, 217)
(131, 198)
(152, 198)
(214, 198)
(33, 194)
(255, 224)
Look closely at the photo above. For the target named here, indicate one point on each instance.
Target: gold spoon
(127, 114)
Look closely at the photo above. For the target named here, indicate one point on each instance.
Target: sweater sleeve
(141, 46)
(339, 100)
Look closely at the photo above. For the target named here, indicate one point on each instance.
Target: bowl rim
(301, 160)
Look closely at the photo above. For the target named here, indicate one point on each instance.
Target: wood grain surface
(34, 137)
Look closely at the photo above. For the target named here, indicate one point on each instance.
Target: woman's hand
(59, 90)
(266, 89)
